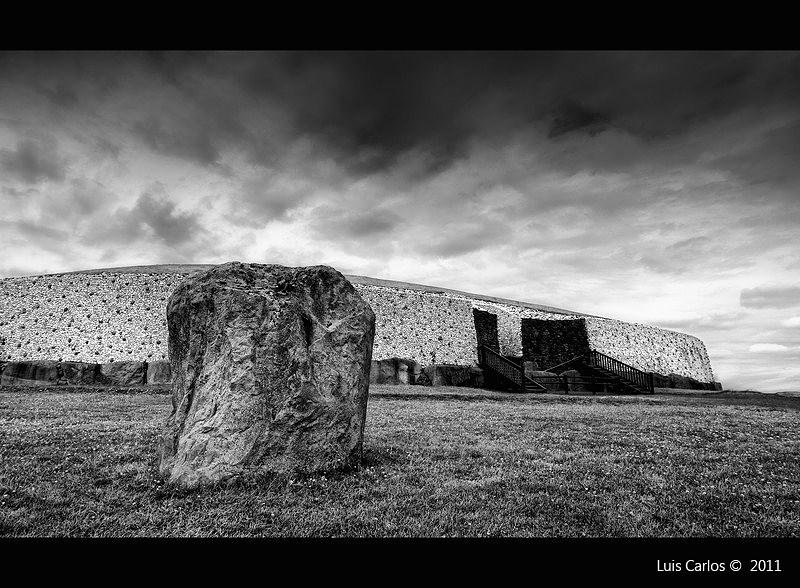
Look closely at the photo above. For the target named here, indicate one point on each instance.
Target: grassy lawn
(83, 463)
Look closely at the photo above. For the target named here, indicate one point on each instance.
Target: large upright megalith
(270, 368)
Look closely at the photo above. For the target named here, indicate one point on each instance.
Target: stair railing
(564, 363)
(506, 368)
(640, 379)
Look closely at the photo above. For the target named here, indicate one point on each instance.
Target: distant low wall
(120, 315)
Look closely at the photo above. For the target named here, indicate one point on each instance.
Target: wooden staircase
(603, 370)
(629, 379)
(512, 374)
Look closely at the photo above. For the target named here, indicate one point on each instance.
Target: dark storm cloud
(192, 143)
(33, 161)
(367, 109)
(19, 193)
(61, 95)
(359, 225)
(771, 158)
(372, 107)
(770, 297)
(153, 214)
(370, 224)
(86, 198)
(155, 210)
(38, 231)
(267, 198)
(454, 239)
(573, 117)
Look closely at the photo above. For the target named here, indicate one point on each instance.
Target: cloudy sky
(658, 188)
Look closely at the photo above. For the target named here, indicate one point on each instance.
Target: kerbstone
(158, 372)
(451, 375)
(395, 370)
(574, 383)
(270, 369)
(30, 373)
(123, 373)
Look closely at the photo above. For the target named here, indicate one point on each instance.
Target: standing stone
(158, 372)
(445, 374)
(30, 373)
(574, 381)
(79, 372)
(395, 370)
(270, 368)
(123, 373)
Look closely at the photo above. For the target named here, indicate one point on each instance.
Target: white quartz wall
(650, 348)
(424, 326)
(85, 317)
(122, 316)
(113, 317)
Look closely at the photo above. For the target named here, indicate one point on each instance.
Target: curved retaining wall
(119, 314)
(650, 349)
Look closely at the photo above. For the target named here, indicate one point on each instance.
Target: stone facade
(486, 328)
(509, 322)
(650, 349)
(96, 318)
(120, 315)
(423, 326)
(548, 343)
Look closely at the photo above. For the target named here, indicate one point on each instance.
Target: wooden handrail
(505, 367)
(640, 379)
(563, 363)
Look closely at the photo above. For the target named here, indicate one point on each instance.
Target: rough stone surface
(486, 329)
(678, 381)
(451, 375)
(573, 383)
(77, 372)
(123, 373)
(683, 383)
(21, 373)
(651, 349)
(395, 370)
(270, 370)
(44, 372)
(158, 372)
(549, 380)
(548, 343)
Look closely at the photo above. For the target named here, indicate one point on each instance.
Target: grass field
(83, 463)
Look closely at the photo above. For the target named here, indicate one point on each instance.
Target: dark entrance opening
(548, 343)
(486, 329)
